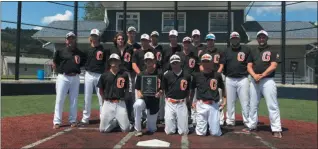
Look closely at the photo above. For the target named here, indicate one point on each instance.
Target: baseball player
(113, 86)
(236, 82)
(198, 46)
(207, 105)
(95, 67)
(151, 103)
(172, 49)
(134, 46)
(217, 63)
(176, 87)
(262, 65)
(190, 65)
(67, 62)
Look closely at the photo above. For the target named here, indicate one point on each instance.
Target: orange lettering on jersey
(213, 84)
(183, 84)
(216, 58)
(127, 57)
(120, 82)
(99, 55)
(241, 56)
(266, 56)
(159, 82)
(191, 62)
(159, 56)
(77, 59)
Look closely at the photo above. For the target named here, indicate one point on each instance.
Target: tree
(94, 11)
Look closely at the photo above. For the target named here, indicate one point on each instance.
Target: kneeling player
(176, 86)
(114, 86)
(151, 103)
(207, 84)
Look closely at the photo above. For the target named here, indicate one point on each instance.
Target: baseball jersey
(152, 103)
(138, 58)
(190, 62)
(126, 57)
(158, 54)
(96, 59)
(176, 86)
(69, 61)
(216, 55)
(235, 62)
(207, 85)
(114, 86)
(167, 53)
(262, 58)
(199, 48)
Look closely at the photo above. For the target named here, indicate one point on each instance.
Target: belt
(209, 102)
(70, 74)
(113, 100)
(175, 100)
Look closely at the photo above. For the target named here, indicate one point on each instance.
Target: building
(28, 66)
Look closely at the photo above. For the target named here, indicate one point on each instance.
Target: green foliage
(93, 11)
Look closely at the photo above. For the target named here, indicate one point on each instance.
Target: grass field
(39, 104)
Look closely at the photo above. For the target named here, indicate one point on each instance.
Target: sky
(43, 13)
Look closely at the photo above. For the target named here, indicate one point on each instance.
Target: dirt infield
(36, 131)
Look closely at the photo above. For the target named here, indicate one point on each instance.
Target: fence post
(18, 34)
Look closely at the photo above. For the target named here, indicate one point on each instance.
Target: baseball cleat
(82, 124)
(73, 125)
(277, 134)
(56, 126)
(138, 134)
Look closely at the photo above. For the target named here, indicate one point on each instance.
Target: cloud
(277, 9)
(37, 28)
(66, 16)
(249, 18)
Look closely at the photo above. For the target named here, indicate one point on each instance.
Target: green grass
(303, 110)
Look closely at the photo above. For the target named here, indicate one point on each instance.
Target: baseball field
(26, 121)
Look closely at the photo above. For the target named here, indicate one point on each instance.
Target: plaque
(149, 85)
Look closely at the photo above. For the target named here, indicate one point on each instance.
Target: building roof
(27, 60)
(298, 29)
(83, 27)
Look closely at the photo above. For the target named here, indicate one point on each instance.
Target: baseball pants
(162, 107)
(91, 81)
(139, 107)
(176, 115)
(193, 111)
(221, 100)
(66, 84)
(266, 87)
(237, 87)
(130, 102)
(113, 113)
(207, 114)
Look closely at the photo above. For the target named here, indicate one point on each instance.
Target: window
(132, 18)
(218, 22)
(168, 22)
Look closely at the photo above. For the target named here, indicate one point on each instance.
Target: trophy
(149, 85)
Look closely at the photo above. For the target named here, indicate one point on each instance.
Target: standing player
(190, 65)
(113, 86)
(236, 82)
(95, 67)
(151, 103)
(173, 48)
(67, 62)
(207, 83)
(198, 46)
(262, 65)
(217, 64)
(176, 87)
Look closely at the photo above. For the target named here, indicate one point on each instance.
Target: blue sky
(42, 13)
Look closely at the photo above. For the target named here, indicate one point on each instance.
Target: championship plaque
(149, 85)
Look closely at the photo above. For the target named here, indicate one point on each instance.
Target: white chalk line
(184, 142)
(123, 141)
(257, 137)
(46, 139)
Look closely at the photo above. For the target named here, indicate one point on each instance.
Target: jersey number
(77, 59)
(99, 55)
(127, 57)
(213, 84)
(191, 62)
(241, 56)
(266, 56)
(216, 58)
(183, 84)
(120, 82)
(159, 82)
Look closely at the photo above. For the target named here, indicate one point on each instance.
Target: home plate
(153, 143)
